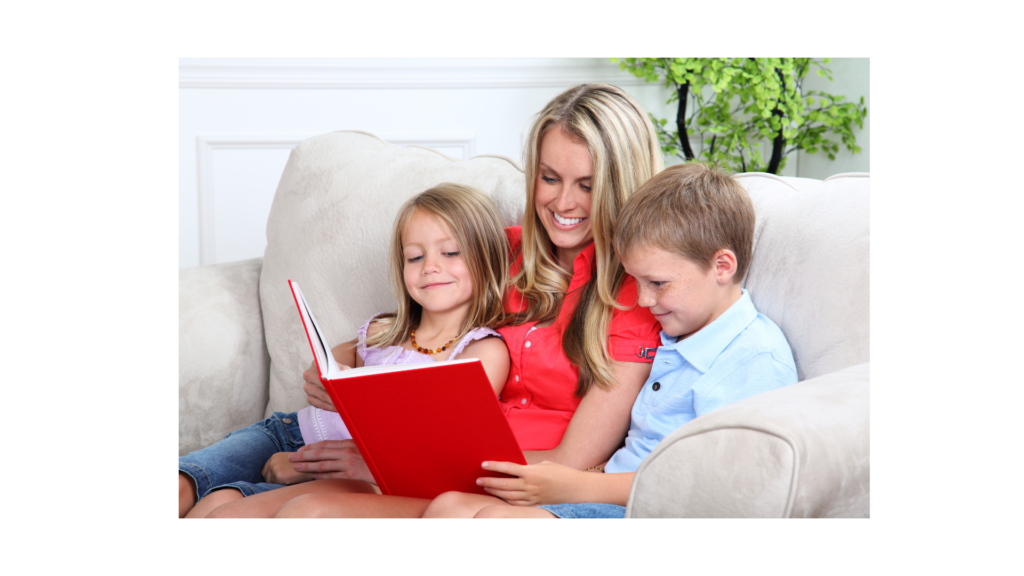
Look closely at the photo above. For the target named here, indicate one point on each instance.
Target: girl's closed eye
(412, 259)
(451, 254)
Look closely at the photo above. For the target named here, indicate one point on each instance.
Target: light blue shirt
(740, 354)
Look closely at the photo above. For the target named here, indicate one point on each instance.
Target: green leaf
(821, 73)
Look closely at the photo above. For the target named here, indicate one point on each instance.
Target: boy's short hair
(692, 210)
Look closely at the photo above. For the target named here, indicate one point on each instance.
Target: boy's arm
(550, 483)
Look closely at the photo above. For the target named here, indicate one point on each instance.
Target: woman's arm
(493, 354)
(601, 421)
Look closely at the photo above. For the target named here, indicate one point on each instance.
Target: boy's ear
(724, 265)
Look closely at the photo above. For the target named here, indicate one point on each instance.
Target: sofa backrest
(330, 225)
(329, 230)
(810, 270)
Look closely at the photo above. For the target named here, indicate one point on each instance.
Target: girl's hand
(280, 470)
(331, 459)
(544, 483)
(316, 394)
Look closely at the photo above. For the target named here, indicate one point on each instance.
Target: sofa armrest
(223, 364)
(799, 451)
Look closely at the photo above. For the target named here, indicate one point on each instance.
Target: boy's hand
(280, 470)
(544, 483)
(332, 459)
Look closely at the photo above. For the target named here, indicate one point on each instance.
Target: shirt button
(657, 386)
(286, 420)
(528, 344)
(517, 377)
(523, 401)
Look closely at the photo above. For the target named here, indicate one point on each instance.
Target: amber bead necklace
(428, 351)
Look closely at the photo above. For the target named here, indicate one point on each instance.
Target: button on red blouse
(539, 397)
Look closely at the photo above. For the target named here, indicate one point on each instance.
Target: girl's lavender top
(317, 424)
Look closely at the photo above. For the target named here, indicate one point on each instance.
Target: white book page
(325, 360)
(395, 368)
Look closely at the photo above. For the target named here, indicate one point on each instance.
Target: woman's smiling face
(562, 194)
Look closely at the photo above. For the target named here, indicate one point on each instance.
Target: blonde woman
(578, 343)
(449, 259)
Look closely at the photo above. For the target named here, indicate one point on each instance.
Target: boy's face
(681, 295)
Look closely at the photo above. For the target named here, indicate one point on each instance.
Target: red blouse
(539, 397)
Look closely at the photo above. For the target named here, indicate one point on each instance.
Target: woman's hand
(544, 483)
(316, 394)
(280, 470)
(331, 459)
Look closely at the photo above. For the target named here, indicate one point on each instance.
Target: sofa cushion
(329, 229)
(809, 271)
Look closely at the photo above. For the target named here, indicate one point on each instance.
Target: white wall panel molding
(450, 144)
(457, 145)
(205, 189)
(405, 73)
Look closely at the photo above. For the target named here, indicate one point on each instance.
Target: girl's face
(435, 272)
(562, 194)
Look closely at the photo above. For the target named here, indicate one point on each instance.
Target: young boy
(686, 236)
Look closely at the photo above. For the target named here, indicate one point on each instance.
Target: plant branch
(684, 139)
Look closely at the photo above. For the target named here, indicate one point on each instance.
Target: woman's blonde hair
(625, 152)
(477, 229)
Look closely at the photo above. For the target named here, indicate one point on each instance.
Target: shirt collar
(701, 349)
(583, 264)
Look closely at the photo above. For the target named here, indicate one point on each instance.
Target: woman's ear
(724, 265)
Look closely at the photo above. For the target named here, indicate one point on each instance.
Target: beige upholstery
(223, 365)
(799, 451)
(330, 228)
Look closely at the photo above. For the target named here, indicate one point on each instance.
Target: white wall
(238, 118)
(851, 78)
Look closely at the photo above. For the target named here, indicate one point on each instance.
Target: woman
(578, 342)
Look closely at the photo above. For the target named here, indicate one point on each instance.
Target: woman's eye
(585, 188)
(657, 284)
(548, 179)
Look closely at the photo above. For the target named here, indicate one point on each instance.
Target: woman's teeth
(567, 221)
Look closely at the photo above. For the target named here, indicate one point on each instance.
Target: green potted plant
(733, 105)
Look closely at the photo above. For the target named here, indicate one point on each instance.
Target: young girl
(449, 262)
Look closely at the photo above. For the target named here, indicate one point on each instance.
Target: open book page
(364, 370)
(321, 349)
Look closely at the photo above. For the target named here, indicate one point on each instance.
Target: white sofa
(802, 451)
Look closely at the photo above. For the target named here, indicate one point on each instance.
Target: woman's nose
(566, 200)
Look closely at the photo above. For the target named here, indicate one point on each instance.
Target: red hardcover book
(423, 429)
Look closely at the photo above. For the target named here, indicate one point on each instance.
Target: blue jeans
(589, 510)
(237, 460)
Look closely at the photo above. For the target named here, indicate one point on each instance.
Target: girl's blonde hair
(625, 152)
(477, 229)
